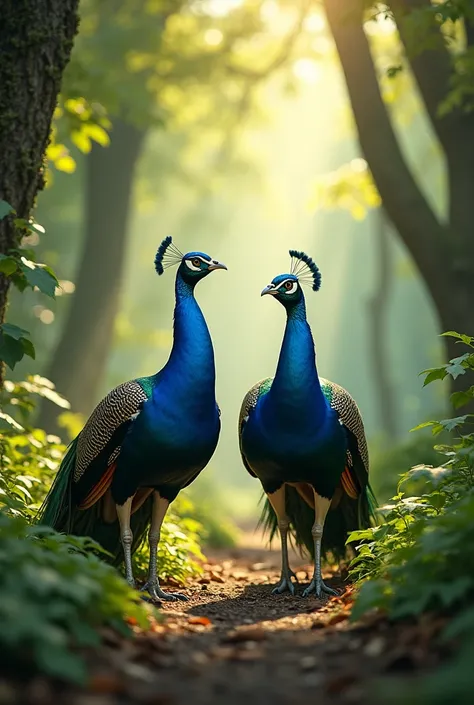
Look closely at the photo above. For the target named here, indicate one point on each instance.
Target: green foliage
(351, 187)
(19, 265)
(54, 595)
(420, 560)
(211, 507)
(388, 464)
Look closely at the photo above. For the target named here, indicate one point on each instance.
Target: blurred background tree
(436, 48)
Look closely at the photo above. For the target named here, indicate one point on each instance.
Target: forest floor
(234, 642)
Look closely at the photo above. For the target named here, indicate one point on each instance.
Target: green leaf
(425, 424)
(13, 331)
(8, 265)
(459, 399)
(11, 350)
(466, 339)
(433, 374)
(451, 424)
(456, 367)
(5, 209)
(40, 277)
(28, 348)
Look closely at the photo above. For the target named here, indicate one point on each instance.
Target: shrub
(420, 559)
(54, 595)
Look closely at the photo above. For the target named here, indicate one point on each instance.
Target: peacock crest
(167, 255)
(305, 269)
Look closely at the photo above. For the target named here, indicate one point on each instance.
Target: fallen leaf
(337, 618)
(217, 578)
(204, 581)
(205, 621)
(239, 575)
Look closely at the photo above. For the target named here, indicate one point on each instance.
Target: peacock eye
(288, 285)
(197, 262)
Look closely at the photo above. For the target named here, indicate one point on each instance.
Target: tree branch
(403, 200)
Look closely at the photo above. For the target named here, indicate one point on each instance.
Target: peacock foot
(285, 583)
(157, 594)
(318, 587)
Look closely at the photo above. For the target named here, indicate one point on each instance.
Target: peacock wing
(356, 476)
(99, 443)
(248, 405)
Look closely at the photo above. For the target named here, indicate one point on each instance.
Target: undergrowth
(55, 591)
(420, 559)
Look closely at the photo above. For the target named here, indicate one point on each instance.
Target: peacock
(146, 440)
(303, 437)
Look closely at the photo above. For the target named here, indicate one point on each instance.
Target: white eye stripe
(294, 286)
(191, 266)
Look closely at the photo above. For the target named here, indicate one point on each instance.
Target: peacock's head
(286, 288)
(193, 266)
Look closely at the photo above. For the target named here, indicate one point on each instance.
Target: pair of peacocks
(302, 436)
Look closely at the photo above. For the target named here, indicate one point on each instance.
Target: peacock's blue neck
(296, 391)
(190, 369)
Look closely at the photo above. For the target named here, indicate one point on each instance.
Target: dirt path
(235, 643)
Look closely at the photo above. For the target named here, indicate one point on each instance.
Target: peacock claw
(284, 585)
(318, 587)
(157, 594)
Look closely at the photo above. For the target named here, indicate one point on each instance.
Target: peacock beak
(216, 265)
(269, 290)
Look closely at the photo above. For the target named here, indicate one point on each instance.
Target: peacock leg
(126, 536)
(152, 586)
(277, 500)
(317, 586)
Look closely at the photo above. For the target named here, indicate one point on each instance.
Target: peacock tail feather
(58, 512)
(56, 505)
(349, 515)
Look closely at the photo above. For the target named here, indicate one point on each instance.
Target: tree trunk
(79, 360)
(378, 329)
(443, 253)
(36, 38)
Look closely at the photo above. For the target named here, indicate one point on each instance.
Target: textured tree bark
(79, 360)
(378, 328)
(36, 38)
(443, 253)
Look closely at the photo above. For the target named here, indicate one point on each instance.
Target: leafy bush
(29, 459)
(421, 558)
(54, 594)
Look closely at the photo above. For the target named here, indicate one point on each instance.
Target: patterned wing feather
(348, 411)
(355, 477)
(118, 407)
